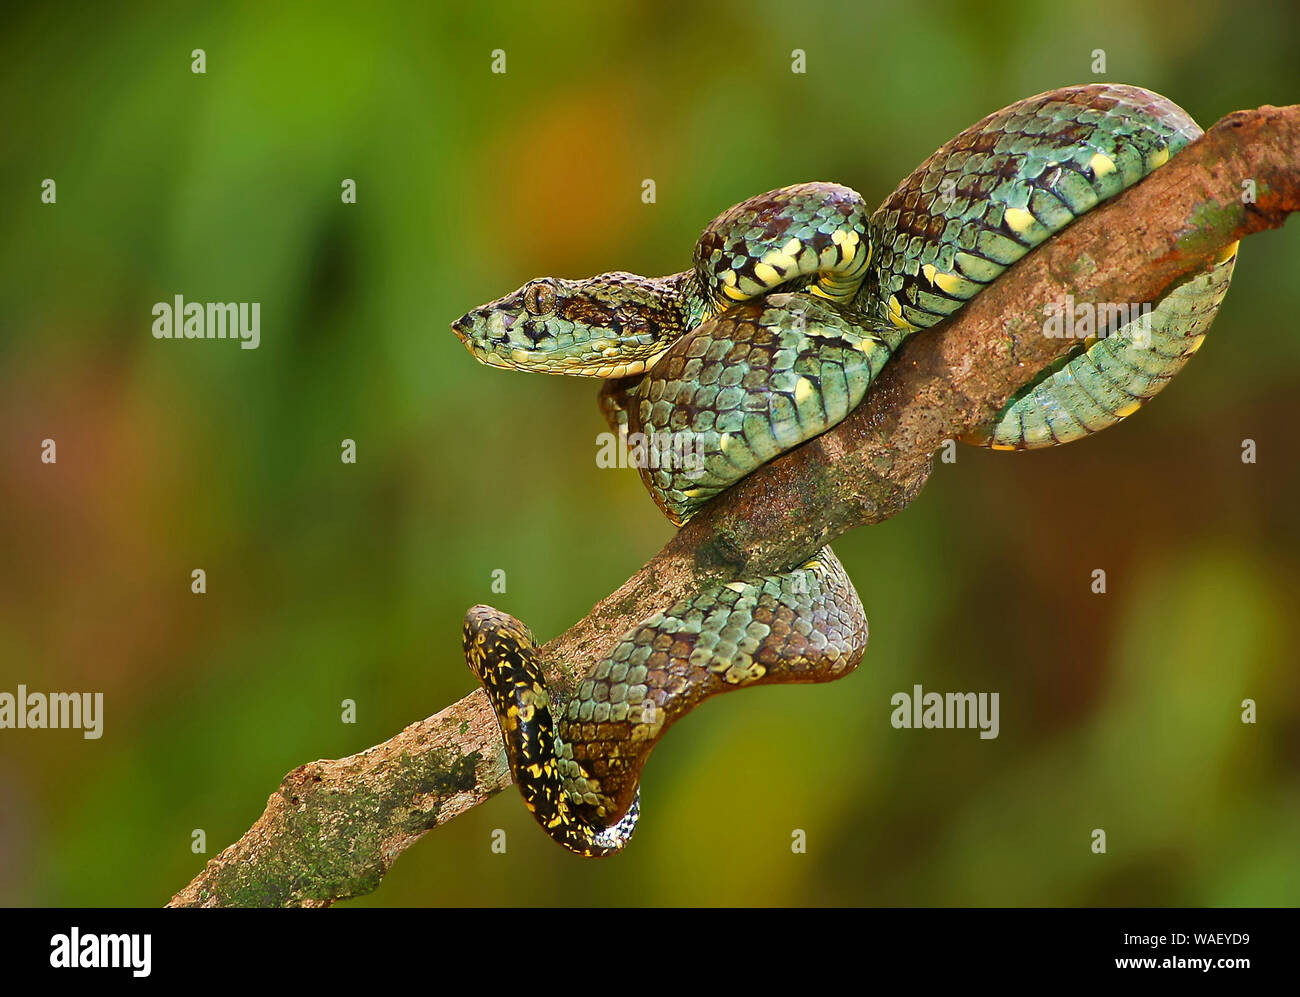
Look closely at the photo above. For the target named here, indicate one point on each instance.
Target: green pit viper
(795, 301)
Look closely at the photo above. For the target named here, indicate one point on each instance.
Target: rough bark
(334, 827)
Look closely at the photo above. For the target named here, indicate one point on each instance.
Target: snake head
(612, 325)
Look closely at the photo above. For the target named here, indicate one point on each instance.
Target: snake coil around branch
(334, 827)
(796, 301)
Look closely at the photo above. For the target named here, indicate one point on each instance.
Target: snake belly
(795, 302)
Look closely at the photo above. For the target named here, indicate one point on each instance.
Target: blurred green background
(329, 581)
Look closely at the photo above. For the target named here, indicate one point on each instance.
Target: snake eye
(539, 298)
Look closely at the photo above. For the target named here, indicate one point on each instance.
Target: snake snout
(483, 331)
(463, 326)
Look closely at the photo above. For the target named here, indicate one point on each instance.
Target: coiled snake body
(795, 301)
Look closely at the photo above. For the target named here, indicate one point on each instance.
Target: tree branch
(334, 827)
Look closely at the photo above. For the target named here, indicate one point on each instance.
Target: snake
(794, 302)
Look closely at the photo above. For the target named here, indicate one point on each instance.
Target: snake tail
(502, 653)
(578, 763)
